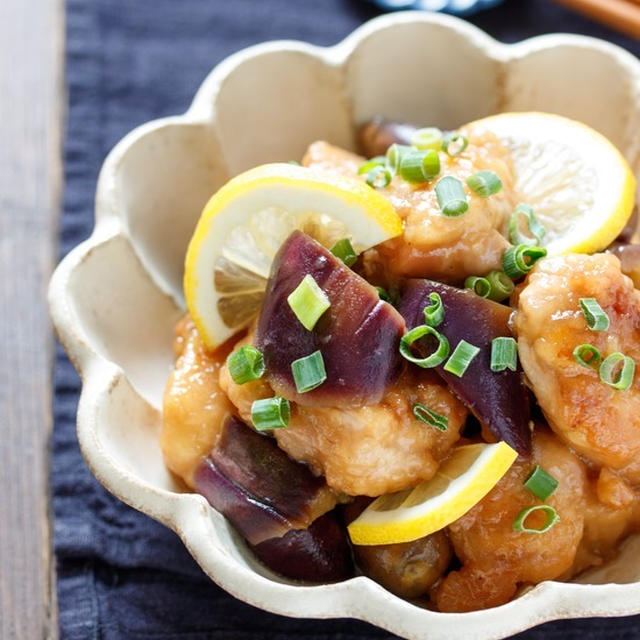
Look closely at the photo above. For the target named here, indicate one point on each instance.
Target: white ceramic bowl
(115, 298)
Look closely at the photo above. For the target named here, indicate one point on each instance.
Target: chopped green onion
(418, 166)
(541, 483)
(501, 285)
(451, 197)
(535, 228)
(308, 301)
(384, 294)
(588, 356)
(245, 364)
(551, 518)
(344, 250)
(485, 183)
(308, 372)
(454, 144)
(395, 153)
(617, 370)
(434, 312)
(365, 167)
(427, 138)
(596, 318)
(379, 177)
(461, 358)
(504, 354)
(480, 286)
(270, 413)
(294, 162)
(518, 261)
(429, 416)
(433, 360)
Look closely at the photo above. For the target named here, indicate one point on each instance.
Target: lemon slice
(243, 225)
(463, 479)
(579, 185)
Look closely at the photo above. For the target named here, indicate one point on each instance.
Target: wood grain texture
(31, 63)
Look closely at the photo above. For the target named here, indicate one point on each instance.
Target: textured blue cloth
(120, 574)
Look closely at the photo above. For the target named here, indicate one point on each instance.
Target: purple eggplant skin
(320, 553)
(255, 520)
(254, 462)
(378, 134)
(499, 400)
(358, 335)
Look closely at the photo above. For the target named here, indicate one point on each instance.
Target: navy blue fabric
(120, 574)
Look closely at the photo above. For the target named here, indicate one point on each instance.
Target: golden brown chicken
(194, 407)
(597, 420)
(495, 558)
(368, 450)
(433, 245)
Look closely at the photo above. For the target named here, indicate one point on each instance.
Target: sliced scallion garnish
(384, 294)
(454, 144)
(518, 261)
(395, 153)
(308, 301)
(617, 370)
(434, 312)
(433, 360)
(372, 163)
(451, 196)
(485, 183)
(270, 413)
(480, 286)
(541, 483)
(427, 138)
(551, 518)
(588, 356)
(461, 358)
(245, 364)
(344, 250)
(504, 354)
(308, 372)
(429, 416)
(596, 318)
(379, 177)
(501, 285)
(535, 228)
(418, 166)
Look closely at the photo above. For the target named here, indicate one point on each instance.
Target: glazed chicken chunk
(433, 245)
(367, 450)
(495, 558)
(597, 420)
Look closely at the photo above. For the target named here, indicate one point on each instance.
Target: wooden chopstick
(623, 15)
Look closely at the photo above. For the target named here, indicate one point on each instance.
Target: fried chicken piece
(600, 422)
(433, 245)
(368, 450)
(495, 558)
(194, 407)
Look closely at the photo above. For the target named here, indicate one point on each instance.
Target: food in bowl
(422, 362)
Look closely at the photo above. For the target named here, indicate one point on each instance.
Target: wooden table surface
(31, 117)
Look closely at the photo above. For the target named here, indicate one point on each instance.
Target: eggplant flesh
(274, 503)
(499, 400)
(358, 335)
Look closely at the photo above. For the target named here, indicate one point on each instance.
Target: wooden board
(31, 81)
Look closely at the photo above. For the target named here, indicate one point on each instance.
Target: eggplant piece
(274, 502)
(358, 335)
(377, 135)
(253, 482)
(499, 400)
(320, 553)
